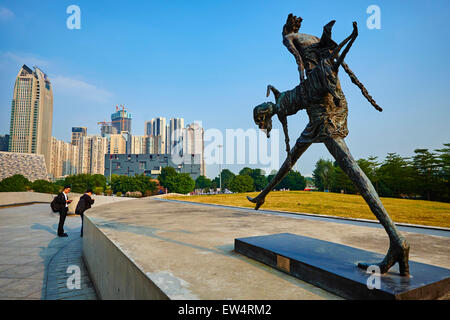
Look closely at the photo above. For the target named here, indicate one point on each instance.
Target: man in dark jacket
(85, 203)
(62, 201)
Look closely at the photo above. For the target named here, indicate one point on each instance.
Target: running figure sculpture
(320, 94)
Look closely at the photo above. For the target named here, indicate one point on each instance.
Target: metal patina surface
(320, 94)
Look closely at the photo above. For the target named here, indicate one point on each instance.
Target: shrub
(108, 192)
(203, 182)
(148, 193)
(15, 183)
(118, 194)
(98, 190)
(134, 194)
(180, 183)
(81, 182)
(137, 183)
(44, 186)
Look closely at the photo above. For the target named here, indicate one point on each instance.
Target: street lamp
(220, 167)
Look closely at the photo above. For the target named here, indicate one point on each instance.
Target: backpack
(80, 206)
(54, 205)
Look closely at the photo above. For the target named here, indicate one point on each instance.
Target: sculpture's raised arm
(350, 39)
(289, 33)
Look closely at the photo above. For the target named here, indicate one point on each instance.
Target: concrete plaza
(148, 248)
(33, 259)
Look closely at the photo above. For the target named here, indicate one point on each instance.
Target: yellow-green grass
(343, 205)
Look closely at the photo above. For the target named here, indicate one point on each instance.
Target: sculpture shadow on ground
(53, 247)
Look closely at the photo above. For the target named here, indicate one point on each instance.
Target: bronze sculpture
(320, 94)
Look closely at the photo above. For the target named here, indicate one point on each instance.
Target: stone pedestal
(333, 267)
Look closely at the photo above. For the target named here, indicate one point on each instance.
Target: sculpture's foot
(258, 200)
(396, 253)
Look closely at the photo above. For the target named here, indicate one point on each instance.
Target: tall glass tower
(32, 113)
(121, 121)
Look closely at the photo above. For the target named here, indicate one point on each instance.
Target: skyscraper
(157, 129)
(193, 143)
(121, 120)
(148, 127)
(77, 133)
(175, 135)
(32, 113)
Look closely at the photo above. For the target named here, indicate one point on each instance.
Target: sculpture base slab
(333, 267)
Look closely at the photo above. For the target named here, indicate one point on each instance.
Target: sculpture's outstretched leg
(293, 155)
(398, 248)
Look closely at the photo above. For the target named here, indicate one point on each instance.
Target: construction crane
(105, 123)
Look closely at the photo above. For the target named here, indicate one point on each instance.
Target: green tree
(293, 181)
(166, 175)
(202, 182)
(44, 186)
(143, 184)
(81, 182)
(444, 160)
(323, 174)
(260, 182)
(15, 183)
(395, 176)
(426, 166)
(246, 172)
(176, 182)
(258, 176)
(180, 183)
(342, 181)
(227, 177)
(242, 183)
(126, 184)
(444, 173)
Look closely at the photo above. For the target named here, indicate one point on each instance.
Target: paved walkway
(202, 240)
(34, 261)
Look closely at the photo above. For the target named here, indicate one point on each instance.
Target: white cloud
(80, 89)
(6, 14)
(20, 59)
(63, 86)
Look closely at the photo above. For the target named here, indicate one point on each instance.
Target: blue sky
(212, 60)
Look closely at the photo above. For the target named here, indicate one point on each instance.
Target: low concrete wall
(21, 198)
(99, 200)
(17, 198)
(114, 274)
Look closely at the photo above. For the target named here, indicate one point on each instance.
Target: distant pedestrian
(84, 203)
(62, 202)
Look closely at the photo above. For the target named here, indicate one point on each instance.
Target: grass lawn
(343, 205)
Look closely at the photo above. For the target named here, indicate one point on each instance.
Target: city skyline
(31, 133)
(218, 74)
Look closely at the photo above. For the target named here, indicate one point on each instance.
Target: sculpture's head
(262, 114)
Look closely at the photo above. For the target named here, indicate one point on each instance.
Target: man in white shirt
(63, 202)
